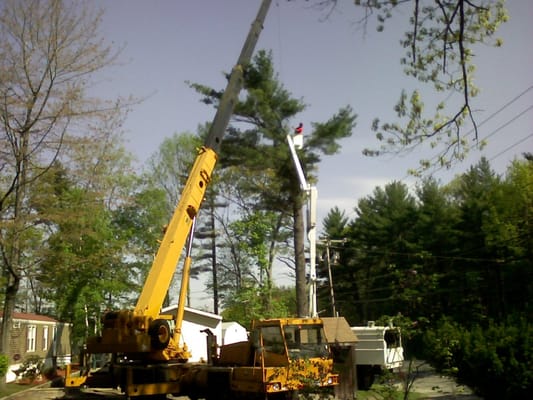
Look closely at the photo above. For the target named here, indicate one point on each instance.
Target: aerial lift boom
(312, 195)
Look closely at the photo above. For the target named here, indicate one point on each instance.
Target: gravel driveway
(435, 386)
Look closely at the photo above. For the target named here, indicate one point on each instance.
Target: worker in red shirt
(298, 136)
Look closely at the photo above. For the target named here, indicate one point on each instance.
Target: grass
(385, 392)
(11, 388)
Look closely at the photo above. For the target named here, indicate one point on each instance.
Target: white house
(194, 322)
(232, 332)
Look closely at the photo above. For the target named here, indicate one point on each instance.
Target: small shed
(194, 322)
(37, 335)
(233, 332)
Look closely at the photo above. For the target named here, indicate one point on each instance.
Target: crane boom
(164, 265)
(145, 358)
(142, 332)
(230, 96)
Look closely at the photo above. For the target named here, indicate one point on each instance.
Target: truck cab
(281, 355)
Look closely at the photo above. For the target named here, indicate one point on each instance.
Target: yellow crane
(146, 356)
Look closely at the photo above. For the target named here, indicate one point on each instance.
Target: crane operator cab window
(305, 341)
(272, 346)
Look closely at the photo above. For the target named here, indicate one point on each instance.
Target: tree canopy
(54, 137)
(257, 142)
(452, 262)
(440, 46)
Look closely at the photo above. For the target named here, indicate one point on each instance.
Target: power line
(509, 122)
(503, 107)
(511, 146)
(491, 116)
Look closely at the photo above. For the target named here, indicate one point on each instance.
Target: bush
(498, 360)
(495, 360)
(4, 365)
(30, 368)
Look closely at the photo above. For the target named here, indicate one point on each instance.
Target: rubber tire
(365, 376)
(159, 332)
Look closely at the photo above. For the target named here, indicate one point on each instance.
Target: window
(305, 341)
(45, 338)
(32, 330)
(272, 339)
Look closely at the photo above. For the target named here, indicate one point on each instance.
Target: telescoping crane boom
(143, 330)
(146, 355)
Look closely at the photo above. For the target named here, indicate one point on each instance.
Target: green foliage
(65, 169)
(438, 54)
(335, 224)
(267, 182)
(374, 261)
(462, 250)
(248, 304)
(386, 388)
(495, 360)
(4, 365)
(84, 253)
(452, 267)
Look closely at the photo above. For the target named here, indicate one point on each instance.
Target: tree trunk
(7, 316)
(13, 259)
(302, 307)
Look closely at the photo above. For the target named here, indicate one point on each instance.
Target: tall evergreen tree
(474, 197)
(435, 232)
(377, 263)
(514, 237)
(257, 142)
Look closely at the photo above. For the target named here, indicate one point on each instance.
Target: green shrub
(4, 365)
(30, 368)
(498, 360)
(495, 360)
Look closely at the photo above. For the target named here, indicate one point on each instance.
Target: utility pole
(330, 279)
(327, 243)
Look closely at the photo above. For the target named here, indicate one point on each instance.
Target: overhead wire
(491, 116)
(494, 132)
(516, 98)
(512, 146)
(513, 119)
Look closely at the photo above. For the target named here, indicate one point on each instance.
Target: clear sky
(328, 62)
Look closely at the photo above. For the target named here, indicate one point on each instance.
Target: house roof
(31, 317)
(226, 325)
(172, 310)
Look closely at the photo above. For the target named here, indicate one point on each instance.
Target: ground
(434, 386)
(428, 385)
